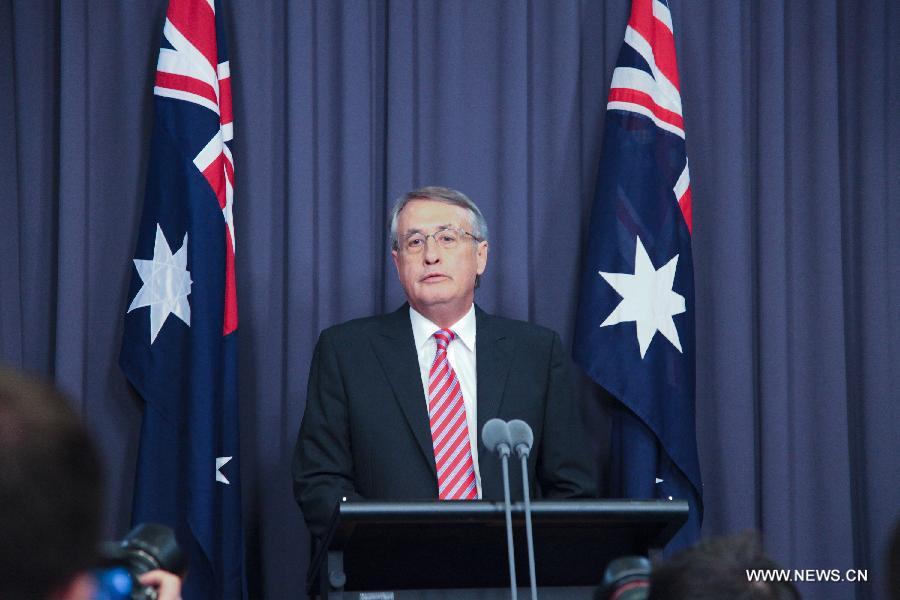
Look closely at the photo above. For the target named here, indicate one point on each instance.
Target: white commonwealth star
(167, 283)
(647, 299)
(221, 461)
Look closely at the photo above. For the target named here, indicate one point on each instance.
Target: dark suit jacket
(365, 432)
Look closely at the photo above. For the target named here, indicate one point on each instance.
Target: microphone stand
(496, 438)
(523, 453)
(504, 459)
(522, 438)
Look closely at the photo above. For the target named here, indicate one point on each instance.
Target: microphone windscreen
(494, 434)
(520, 433)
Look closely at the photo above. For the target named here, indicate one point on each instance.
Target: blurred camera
(626, 578)
(147, 547)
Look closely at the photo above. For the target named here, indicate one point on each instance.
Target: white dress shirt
(461, 355)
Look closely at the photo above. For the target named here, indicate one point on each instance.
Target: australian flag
(635, 326)
(179, 343)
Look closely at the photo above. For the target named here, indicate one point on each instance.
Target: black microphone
(495, 437)
(522, 438)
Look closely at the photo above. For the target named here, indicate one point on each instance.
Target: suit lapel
(494, 350)
(396, 350)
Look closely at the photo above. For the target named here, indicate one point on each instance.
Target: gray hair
(447, 196)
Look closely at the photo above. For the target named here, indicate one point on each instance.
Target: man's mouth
(433, 278)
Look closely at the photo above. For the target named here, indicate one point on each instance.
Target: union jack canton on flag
(634, 333)
(179, 343)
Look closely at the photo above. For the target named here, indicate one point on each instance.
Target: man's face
(437, 280)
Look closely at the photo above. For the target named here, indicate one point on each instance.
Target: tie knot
(443, 337)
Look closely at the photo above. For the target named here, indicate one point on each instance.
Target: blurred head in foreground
(718, 568)
(50, 494)
(894, 564)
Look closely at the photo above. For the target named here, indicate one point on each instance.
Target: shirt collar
(423, 328)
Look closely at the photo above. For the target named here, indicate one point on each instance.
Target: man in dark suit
(396, 403)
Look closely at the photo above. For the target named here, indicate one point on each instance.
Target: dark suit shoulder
(503, 326)
(348, 331)
(352, 327)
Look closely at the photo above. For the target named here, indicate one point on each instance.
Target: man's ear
(481, 255)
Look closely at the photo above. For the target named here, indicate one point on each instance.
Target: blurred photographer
(716, 568)
(51, 498)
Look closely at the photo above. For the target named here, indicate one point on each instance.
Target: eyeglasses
(447, 238)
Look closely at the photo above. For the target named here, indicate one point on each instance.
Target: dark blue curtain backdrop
(792, 113)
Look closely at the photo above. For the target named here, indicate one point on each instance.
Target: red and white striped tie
(449, 429)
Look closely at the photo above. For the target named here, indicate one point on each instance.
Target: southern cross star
(647, 299)
(221, 461)
(167, 283)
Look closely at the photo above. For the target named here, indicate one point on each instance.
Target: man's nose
(432, 251)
